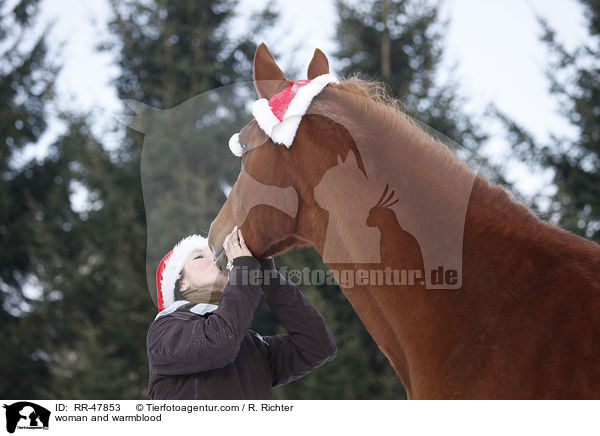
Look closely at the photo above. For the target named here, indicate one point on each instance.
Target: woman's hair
(193, 294)
(177, 292)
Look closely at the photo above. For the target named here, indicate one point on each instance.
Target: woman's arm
(308, 344)
(176, 346)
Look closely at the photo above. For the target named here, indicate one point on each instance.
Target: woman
(200, 345)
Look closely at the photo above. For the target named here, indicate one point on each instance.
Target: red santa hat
(170, 267)
(279, 117)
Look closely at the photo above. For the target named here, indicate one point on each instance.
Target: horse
(504, 305)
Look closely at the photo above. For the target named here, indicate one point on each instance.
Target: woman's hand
(234, 245)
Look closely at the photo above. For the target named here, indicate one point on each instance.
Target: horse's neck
(342, 245)
(413, 325)
(425, 333)
(432, 186)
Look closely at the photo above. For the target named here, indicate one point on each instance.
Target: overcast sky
(495, 44)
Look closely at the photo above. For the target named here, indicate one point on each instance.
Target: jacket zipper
(196, 387)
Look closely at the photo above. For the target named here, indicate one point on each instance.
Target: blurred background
(515, 83)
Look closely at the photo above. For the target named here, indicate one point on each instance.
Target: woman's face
(200, 270)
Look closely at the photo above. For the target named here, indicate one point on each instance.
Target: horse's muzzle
(221, 261)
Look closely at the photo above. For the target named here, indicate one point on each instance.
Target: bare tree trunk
(385, 43)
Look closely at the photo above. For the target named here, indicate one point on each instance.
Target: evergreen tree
(401, 43)
(26, 83)
(85, 336)
(574, 79)
(94, 310)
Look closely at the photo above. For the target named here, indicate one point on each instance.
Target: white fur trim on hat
(175, 263)
(234, 144)
(284, 131)
(265, 117)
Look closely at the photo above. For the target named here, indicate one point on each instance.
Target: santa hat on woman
(170, 267)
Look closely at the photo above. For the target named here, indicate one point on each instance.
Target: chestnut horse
(521, 317)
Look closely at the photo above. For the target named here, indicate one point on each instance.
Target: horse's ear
(318, 65)
(268, 78)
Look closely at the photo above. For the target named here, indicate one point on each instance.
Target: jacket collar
(200, 308)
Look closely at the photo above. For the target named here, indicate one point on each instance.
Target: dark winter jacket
(217, 356)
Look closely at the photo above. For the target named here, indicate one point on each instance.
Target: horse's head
(272, 201)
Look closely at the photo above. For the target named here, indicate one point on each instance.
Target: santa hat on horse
(279, 117)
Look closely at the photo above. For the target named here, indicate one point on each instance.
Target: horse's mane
(377, 91)
(390, 110)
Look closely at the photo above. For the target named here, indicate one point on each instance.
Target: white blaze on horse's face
(280, 116)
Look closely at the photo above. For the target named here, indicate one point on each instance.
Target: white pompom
(234, 144)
